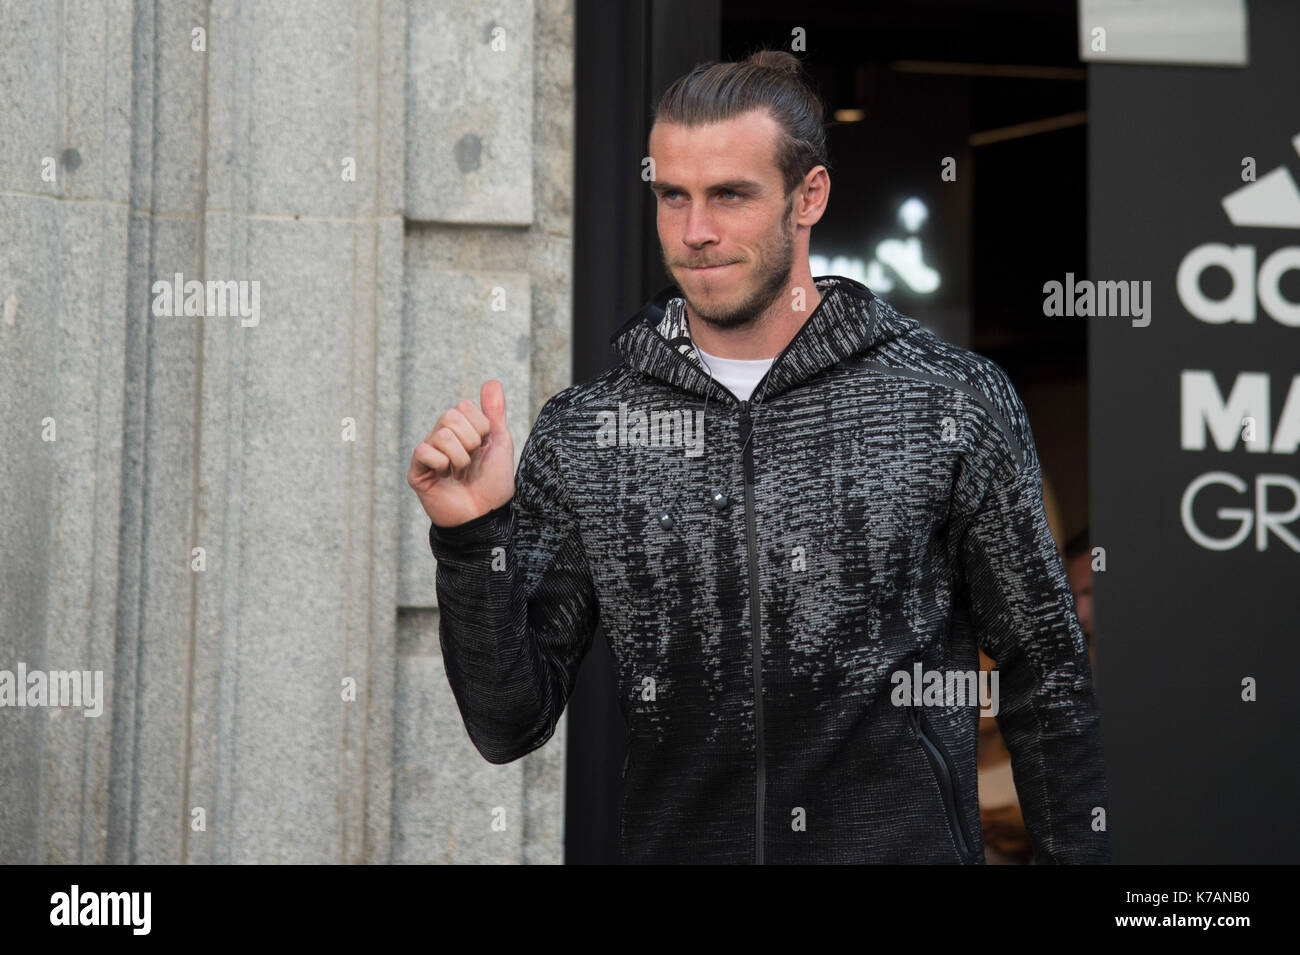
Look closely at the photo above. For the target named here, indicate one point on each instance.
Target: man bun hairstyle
(767, 79)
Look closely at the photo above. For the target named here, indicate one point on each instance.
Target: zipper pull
(747, 452)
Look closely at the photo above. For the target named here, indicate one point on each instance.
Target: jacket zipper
(751, 533)
(947, 782)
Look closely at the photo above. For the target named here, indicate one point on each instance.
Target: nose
(700, 230)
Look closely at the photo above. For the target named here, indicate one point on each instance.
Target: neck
(768, 334)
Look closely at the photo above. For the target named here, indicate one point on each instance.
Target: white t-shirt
(739, 375)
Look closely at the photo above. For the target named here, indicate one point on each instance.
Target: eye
(730, 192)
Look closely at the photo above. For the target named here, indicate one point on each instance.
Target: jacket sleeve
(1023, 612)
(517, 608)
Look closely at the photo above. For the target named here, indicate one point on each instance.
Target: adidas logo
(1273, 201)
(1270, 202)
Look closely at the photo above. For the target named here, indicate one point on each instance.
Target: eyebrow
(735, 185)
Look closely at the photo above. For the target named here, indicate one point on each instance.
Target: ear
(812, 197)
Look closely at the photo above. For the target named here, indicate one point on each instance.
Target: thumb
(492, 399)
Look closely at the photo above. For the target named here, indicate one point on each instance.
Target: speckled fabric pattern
(892, 515)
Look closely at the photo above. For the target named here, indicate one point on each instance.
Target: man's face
(726, 231)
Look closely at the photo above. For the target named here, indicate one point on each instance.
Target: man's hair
(767, 79)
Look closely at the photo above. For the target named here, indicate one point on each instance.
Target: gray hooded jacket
(766, 573)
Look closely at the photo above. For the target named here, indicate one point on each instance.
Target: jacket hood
(849, 319)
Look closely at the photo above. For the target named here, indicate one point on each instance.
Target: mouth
(710, 268)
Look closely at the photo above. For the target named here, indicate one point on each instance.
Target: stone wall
(211, 509)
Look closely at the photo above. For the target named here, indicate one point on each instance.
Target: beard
(772, 270)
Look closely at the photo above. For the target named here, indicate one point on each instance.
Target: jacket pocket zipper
(947, 782)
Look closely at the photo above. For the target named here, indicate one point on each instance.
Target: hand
(466, 465)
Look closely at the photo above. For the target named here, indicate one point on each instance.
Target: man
(775, 550)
